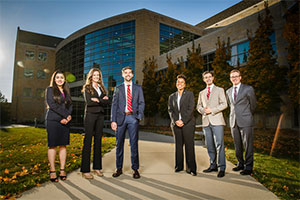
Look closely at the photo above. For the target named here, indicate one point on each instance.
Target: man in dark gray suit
(127, 110)
(242, 105)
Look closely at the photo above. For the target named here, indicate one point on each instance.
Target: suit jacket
(94, 107)
(217, 103)
(119, 103)
(187, 105)
(56, 112)
(241, 110)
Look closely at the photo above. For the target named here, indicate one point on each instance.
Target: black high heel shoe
(63, 178)
(53, 179)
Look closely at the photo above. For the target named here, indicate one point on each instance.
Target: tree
(193, 71)
(220, 64)
(291, 34)
(4, 110)
(150, 88)
(167, 86)
(2, 98)
(262, 71)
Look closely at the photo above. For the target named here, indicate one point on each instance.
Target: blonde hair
(89, 81)
(235, 70)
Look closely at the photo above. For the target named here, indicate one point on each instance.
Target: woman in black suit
(58, 116)
(95, 100)
(181, 107)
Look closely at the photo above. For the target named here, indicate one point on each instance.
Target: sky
(61, 18)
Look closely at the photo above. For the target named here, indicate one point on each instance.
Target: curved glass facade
(110, 49)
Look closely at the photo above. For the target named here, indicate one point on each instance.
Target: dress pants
(243, 136)
(185, 136)
(93, 124)
(214, 139)
(132, 125)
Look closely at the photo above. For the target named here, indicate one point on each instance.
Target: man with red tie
(127, 110)
(211, 103)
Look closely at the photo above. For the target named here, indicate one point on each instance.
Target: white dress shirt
(210, 89)
(98, 90)
(237, 90)
(178, 103)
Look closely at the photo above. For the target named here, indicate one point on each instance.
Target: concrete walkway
(158, 179)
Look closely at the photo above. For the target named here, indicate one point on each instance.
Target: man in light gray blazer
(242, 105)
(211, 103)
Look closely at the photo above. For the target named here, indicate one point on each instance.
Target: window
(27, 92)
(171, 38)
(110, 48)
(40, 74)
(28, 73)
(208, 60)
(29, 55)
(42, 56)
(273, 42)
(40, 93)
(239, 54)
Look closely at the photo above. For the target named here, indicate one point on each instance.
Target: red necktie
(208, 92)
(129, 107)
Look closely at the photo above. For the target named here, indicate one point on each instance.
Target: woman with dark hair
(95, 100)
(181, 110)
(58, 116)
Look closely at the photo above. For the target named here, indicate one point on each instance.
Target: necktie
(234, 93)
(129, 107)
(208, 92)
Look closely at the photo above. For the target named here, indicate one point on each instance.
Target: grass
(279, 173)
(24, 161)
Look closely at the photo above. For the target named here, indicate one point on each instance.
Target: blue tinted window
(171, 37)
(113, 48)
(243, 47)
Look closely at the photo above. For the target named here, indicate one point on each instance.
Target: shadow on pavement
(60, 187)
(112, 190)
(91, 196)
(159, 185)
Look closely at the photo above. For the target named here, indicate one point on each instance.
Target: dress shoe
(98, 173)
(210, 170)
(188, 171)
(87, 176)
(178, 170)
(193, 173)
(117, 173)
(221, 174)
(246, 172)
(238, 168)
(136, 174)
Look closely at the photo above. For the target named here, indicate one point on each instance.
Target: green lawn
(280, 173)
(24, 162)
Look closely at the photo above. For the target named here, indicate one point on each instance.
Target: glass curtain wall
(110, 49)
(171, 37)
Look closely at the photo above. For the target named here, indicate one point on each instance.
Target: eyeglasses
(234, 76)
(207, 77)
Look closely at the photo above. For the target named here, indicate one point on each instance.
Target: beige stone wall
(25, 109)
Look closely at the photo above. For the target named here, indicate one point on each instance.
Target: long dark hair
(56, 92)
(89, 82)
